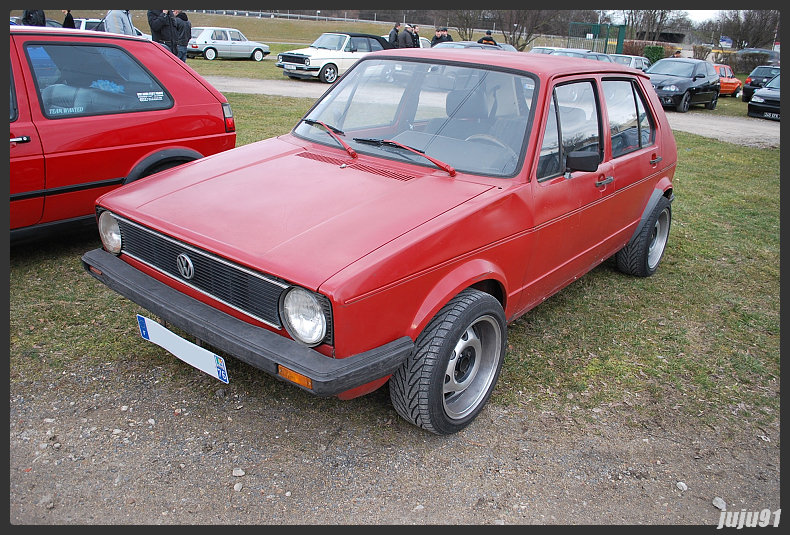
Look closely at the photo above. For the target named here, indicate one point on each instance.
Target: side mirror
(582, 160)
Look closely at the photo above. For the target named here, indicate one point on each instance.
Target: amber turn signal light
(294, 377)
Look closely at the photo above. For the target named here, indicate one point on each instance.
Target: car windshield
(474, 120)
(623, 60)
(330, 41)
(774, 83)
(673, 68)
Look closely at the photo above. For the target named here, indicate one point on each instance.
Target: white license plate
(194, 355)
(289, 67)
(770, 115)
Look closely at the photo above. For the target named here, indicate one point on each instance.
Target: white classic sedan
(212, 42)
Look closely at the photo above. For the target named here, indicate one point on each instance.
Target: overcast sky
(701, 15)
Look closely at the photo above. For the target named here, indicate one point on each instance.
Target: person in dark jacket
(164, 29)
(68, 22)
(393, 38)
(34, 17)
(415, 35)
(405, 39)
(184, 34)
(487, 39)
(446, 36)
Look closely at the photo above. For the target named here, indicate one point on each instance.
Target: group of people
(171, 28)
(410, 36)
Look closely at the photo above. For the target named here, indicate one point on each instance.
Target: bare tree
(465, 21)
(750, 28)
(519, 27)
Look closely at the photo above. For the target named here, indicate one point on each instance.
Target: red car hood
(294, 213)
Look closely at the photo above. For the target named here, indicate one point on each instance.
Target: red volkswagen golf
(398, 229)
(91, 111)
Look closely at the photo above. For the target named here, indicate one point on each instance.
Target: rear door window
(84, 79)
(630, 126)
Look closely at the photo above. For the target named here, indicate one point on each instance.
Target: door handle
(608, 180)
(655, 160)
(20, 139)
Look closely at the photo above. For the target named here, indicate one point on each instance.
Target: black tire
(257, 55)
(738, 92)
(683, 107)
(328, 73)
(712, 104)
(642, 256)
(448, 378)
(210, 54)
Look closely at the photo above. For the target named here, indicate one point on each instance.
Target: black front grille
(293, 58)
(252, 293)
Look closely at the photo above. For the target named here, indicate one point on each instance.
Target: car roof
(547, 65)
(71, 32)
(215, 28)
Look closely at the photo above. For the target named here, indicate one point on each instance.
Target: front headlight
(757, 98)
(110, 233)
(279, 58)
(670, 88)
(303, 316)
(306, 62)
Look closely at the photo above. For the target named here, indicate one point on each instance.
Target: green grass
(699, 341)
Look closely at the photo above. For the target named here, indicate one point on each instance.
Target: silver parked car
(213, 42)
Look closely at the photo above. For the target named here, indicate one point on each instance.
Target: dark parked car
(771, 56)
(91, 111)
(681, 82)
(52, 23)
(581, 53)
(758, 78)
(765, 101)
(394, 233)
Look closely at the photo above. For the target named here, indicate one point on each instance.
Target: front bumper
(258, 347)
(669, 98)
(298, 71)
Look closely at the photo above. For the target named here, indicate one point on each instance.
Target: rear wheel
(210, 54)
(712, 104)
(448, 378)
(641, 257)
(328, 73)
(737, 93)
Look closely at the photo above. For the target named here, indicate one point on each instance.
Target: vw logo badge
(185, 267)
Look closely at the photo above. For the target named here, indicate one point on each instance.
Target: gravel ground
(128, 445)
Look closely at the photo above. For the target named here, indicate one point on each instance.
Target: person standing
(184, 34)
(34, 17)
(437, 38)
(164, 29)
(415, 35)
(487, 39)
(68, 21)
(119, 21)
(393, 38)
(446, 36)
(405, 39)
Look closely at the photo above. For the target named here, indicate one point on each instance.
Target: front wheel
(641, 256)
(210, 54)
(257, 55)
(448, 378)
(328, 73)
(683, 107)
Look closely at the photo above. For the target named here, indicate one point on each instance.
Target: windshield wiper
(335, 133)
(391, 143)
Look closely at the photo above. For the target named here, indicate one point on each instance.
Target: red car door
(26, 156)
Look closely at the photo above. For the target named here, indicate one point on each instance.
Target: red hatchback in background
(730, 85)
(91, 111)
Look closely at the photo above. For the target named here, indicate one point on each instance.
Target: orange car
(730, 85)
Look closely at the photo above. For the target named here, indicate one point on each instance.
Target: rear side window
(630, 125)
(83, 80)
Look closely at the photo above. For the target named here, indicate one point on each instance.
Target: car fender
(180, 155)
(662, 187)
(473, 273)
